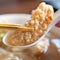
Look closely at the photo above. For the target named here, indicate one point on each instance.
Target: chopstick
(16, 27)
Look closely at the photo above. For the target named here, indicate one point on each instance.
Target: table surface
(17, 6)
(25, 6)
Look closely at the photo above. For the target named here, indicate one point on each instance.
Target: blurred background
(23, 6)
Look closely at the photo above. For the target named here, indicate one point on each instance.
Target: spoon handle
(56, 19)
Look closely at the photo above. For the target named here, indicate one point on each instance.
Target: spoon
(15, 27)
(56, 19)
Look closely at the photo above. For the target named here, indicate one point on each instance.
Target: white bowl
(14, 18)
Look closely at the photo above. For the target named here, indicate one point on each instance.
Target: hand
(58, 24)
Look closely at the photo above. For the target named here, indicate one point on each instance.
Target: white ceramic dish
(14, 18)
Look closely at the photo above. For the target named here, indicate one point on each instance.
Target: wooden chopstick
(16, 27)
